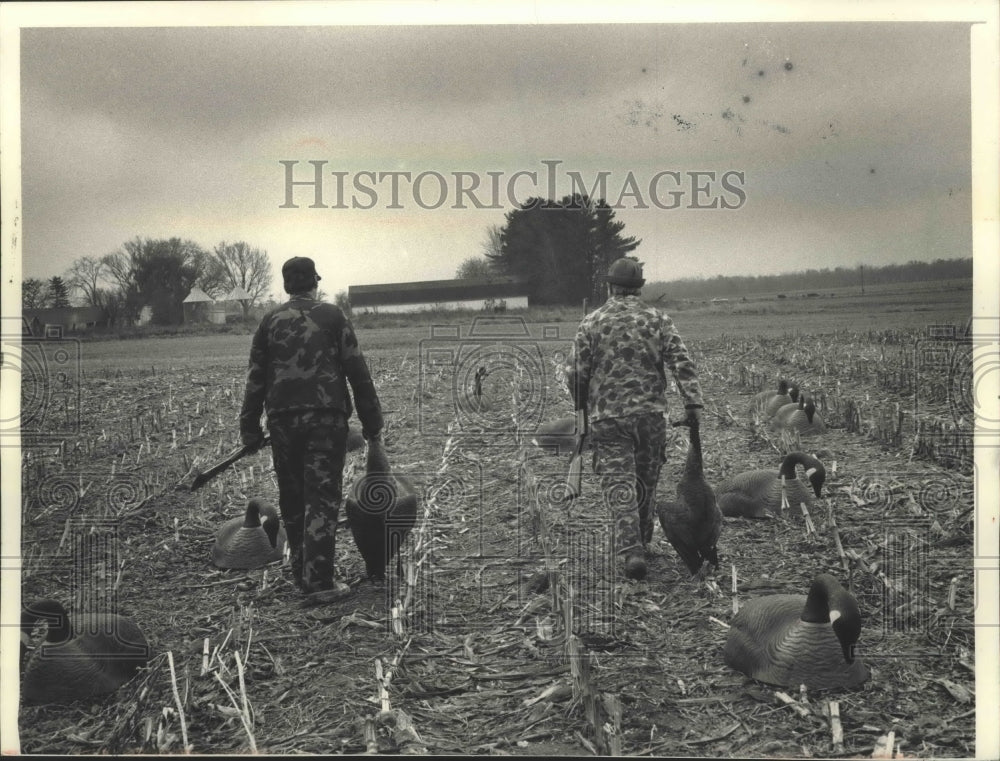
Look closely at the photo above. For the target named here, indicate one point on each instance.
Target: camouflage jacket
(302, 357)
(619, 355)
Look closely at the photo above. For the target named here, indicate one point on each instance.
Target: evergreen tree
(58, 292)
(561, 248)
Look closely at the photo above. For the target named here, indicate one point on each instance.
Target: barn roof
(197, 295)
(430, 291)
(237, 294)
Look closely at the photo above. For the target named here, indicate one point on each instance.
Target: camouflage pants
(628, 455)
(308, 450)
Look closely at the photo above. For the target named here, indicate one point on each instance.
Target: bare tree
(121, 270)
(85, 275)
(155, 273)
(343, 302)
(113, 303)
(493, 245)
(240, 265)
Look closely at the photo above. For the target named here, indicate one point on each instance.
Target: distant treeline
(811, 280)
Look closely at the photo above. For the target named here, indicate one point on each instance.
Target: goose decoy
(791, 640)
(805, 420)
(478, 399)
(785, 411)
(757, 493)
(780, 400)
(251, 541)
(557, 436)
(763, 398)
(97, 656)
(692, 523)
(381, 509)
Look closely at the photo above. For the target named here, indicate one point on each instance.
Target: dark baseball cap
(299, 266)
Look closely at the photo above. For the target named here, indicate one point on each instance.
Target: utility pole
(862, 280)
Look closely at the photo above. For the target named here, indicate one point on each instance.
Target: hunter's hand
(252, 440)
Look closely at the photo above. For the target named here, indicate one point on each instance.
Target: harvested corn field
(511, 631)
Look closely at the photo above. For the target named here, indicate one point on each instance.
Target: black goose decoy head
(269, 521)
(829, 602)
(817, 476)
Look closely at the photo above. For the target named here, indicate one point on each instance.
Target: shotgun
(201, 477)
(574, 480)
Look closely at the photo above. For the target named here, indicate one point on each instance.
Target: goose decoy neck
(809, 409)
(815, 471)
(694, 462)
(254, 509)
(58, 626)
(782, 387)
(478, 381)
(270, 523)
(793, 392)
(829, 602)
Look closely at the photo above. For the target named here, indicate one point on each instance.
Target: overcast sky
(840, 143)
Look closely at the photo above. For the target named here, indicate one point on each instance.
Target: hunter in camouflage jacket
(617, 372)
(302, 358)
(619, 358)
(303, 355)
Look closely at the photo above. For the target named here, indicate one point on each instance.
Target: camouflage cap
(626, 272)
(299, 267)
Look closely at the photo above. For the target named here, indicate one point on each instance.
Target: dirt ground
(462, 656)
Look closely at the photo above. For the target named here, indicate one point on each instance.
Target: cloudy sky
(837, 143)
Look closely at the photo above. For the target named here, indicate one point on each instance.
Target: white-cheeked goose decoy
(791, 640)
(785, 411)
(763, 398)
(253, 541)
(91, 656)
(805, 419)
(757, 493)
(381, 509)
(692, 522)
(778, 401)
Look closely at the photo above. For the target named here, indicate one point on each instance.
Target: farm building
(63, 319)
(200, 307)
(237, 301)
(478, 295)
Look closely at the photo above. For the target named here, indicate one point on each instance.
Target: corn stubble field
(462, 655)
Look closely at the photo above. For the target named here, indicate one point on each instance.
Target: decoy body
(478, 399)
(97, 656)
(251, 541)
(791, 640)
(763, 398)
(777, 401)
(757, 493)
(692, 523)
(381, 509)
(804, 419)
(557, 436)
(785, 411)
